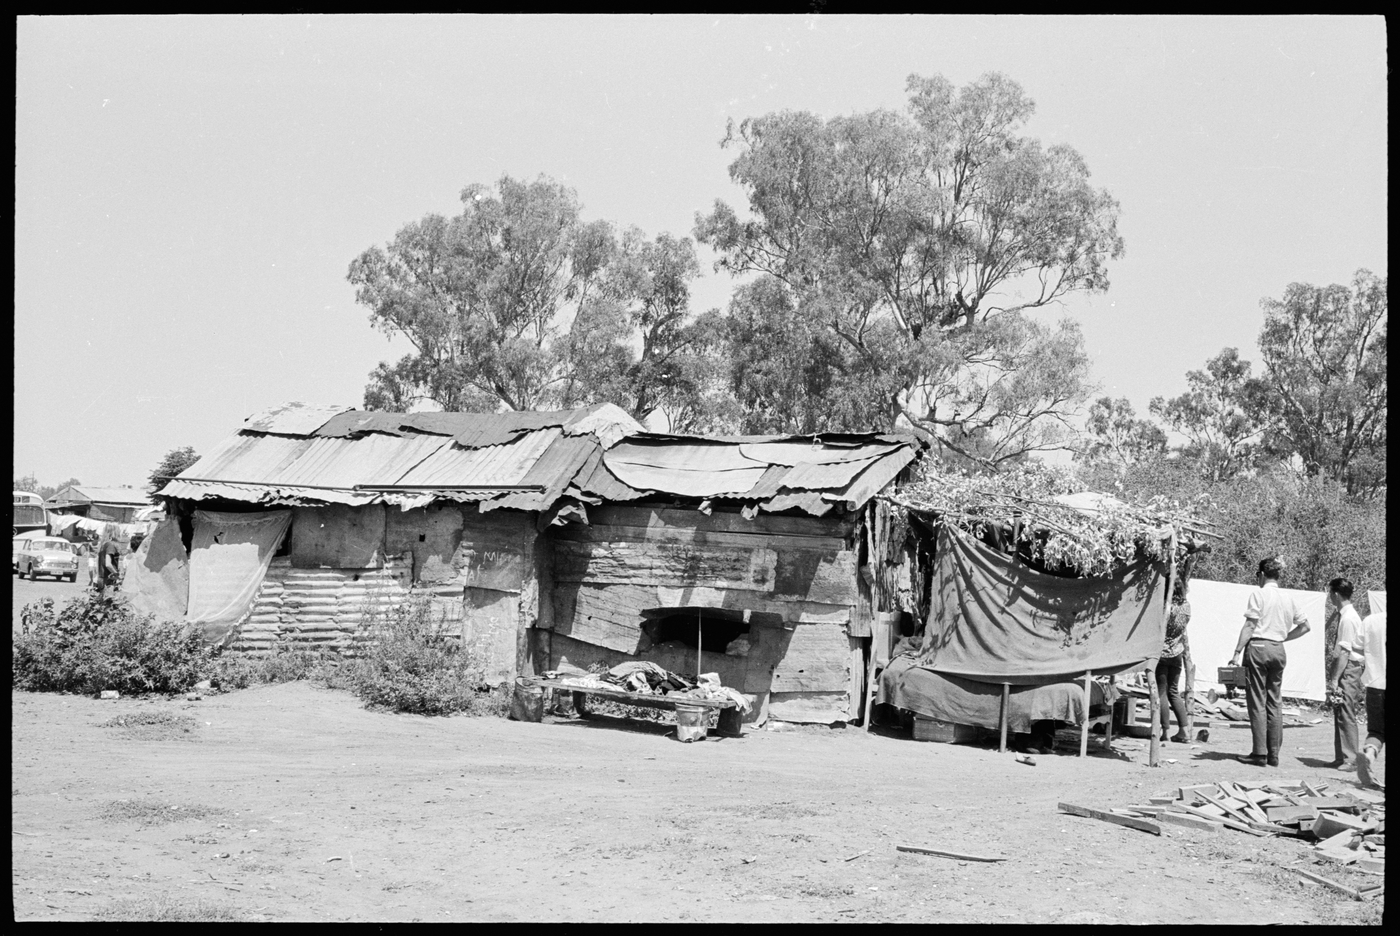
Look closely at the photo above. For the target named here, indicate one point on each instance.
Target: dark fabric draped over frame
(994, 619)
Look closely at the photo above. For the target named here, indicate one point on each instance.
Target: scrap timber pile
(1347, 826)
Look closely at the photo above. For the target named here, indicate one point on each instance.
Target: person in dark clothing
(1170, 663)
(109, 561)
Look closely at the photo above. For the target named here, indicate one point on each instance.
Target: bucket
(527, 702)
(690, 722)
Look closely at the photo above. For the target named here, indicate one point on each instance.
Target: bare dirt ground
(292, 802)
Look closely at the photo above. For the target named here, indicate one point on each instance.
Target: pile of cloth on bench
(647, 678)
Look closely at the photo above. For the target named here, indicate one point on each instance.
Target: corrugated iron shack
(555, 540)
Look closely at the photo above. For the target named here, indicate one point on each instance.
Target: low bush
(411, 662)
(231, 670)
(96, 642)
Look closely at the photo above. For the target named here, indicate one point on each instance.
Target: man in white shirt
(1270, 619)
(1373, 678)
(1344, 676)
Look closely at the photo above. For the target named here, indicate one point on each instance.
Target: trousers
(1169, 697)
(1263, 669)
(1344, 713)
(1375, 718)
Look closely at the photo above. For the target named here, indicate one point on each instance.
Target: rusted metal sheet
(294, 419)
(252, 459)
(810, 452)
(345, 463)
(552, 471)
(494, 465)
(827, 477)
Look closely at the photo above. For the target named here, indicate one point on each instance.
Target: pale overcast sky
(190, 191)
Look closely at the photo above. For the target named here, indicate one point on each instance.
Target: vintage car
(47, 556)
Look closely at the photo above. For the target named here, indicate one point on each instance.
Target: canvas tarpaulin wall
(992, 618)
(969, 702)
(156, 579)
(1217, 614)
(228, 559)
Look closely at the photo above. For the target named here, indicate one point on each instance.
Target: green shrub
(410, 662)
(230, 670)
(96, 642)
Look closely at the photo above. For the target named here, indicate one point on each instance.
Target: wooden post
(1005, 713)
(1108, 729)
(1084, 731)
(699, 646)
(1154, 747)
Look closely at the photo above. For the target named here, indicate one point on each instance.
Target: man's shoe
(1180, 738)
(1257, 760)
(1347, 767)
(1272, 762)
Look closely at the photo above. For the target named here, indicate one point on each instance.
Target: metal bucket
(691, 722)
(527, 702)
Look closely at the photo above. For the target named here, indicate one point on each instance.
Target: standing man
(1270, 619)
(108, 560)
(1344, 676)
(1373, 648)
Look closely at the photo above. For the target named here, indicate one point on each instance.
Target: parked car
(48, 556)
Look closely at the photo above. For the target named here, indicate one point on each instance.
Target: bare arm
(1246, 635)
(1339, 663)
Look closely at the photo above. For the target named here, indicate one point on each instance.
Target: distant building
(118, 504)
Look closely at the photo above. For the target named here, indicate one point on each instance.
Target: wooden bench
(730, 717)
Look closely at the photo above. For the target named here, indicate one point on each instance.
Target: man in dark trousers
(1270, 619)
(1344, 689)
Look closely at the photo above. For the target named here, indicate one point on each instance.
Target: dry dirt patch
(481, 819)
(159, 725)
(145, 812)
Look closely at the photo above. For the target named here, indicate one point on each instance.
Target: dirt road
(294, 803)
(25, 591)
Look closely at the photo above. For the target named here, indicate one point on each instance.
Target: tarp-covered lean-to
(228, 559)
(995, 619)
(963, 701)
(157, 576)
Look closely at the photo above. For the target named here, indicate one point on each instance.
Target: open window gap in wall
(715, 628)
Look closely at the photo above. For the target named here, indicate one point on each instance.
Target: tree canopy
(904, 251)
(518, 303)
(1323, 391)
(172, 463)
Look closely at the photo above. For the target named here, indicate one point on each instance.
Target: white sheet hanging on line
(1217, 614)
(228, 559)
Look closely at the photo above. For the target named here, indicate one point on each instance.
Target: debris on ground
(1348, 825)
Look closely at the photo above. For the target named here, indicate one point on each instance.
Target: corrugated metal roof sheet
(810, 452)
(769, 484)
(297, 419)
(253, 459)
(595, 480)
(553, 471)
(809, 477)
(87, 494)
(344, 463)
(494, 465)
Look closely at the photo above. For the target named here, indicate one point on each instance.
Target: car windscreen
(54, 545)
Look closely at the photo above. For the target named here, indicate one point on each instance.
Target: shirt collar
(1268, 582)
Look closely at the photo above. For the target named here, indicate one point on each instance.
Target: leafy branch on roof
(1023, 501)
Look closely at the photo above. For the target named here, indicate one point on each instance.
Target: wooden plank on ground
(1190, 822)
(1292, 813)
(1225, 821)
(944, 853)
(1142, 825)
(1190, 792)
(1341, 888)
